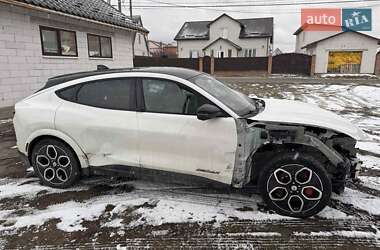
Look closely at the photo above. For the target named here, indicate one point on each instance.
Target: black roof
(250, 28)
(178, 72)
(97, 10)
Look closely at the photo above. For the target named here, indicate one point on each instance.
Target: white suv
(188, 126)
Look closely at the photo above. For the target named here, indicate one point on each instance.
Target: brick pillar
(212, 66)
(200, 64)
(312, 67)
(270, 59)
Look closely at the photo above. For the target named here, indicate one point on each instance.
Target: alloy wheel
(53, 164)
(295, 188)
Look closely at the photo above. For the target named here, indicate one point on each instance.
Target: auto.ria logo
(315, 19)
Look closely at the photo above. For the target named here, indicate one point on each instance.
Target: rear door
(101, 117)
(171, 138)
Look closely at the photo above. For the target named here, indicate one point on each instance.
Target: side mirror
(208, 111)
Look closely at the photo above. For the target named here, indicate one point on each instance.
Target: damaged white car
(185, 126)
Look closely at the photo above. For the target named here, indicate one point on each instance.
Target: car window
(109, 94)
(164, 96)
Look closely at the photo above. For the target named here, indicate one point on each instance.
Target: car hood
(295, 112)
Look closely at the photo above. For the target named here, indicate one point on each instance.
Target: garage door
(344, 62)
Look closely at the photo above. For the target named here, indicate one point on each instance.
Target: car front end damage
(258, 141)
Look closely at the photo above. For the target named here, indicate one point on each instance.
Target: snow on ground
(373, 147)
(360, 200)
(370, 162)
(372, 182)
(345, 234)
(348, 75)
(149, 208)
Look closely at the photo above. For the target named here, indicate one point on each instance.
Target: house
(277, 52)
(160, 49)
(40, 39)
(141, 40)
(155, 48)
(339, 52)
(226, 37)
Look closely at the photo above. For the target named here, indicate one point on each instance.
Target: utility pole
(130, 8)
(119, 5)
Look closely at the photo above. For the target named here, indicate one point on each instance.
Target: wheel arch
(264, 153)
(48, 133)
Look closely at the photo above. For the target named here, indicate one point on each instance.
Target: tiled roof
(250, 28)
(97, 10)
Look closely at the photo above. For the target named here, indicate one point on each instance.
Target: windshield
(236, 101)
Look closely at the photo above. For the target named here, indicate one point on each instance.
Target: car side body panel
(107, 137)
(32, 115)
(184, 144)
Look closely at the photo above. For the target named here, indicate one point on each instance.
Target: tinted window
(69, 93)
(110, 94)
(162, 96)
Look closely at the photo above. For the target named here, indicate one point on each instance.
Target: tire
(295, 184)
(55, 163)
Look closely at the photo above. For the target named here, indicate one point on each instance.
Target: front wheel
(295, 184)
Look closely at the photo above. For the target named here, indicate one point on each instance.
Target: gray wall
(23, 68)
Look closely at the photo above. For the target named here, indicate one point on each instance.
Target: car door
(171, 138)
(101, 117)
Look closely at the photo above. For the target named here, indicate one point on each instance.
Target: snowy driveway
(122, 213)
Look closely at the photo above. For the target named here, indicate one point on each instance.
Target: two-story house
(226, 37)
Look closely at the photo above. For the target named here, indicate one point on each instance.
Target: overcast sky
(164, 23)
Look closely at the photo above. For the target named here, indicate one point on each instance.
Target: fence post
(270, 59)
(200, 64)
(212, 66)
(312, 67)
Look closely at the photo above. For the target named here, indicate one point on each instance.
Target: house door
(344, 62)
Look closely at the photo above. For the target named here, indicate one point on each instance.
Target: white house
(141, 40)
(226, 37)
(339, 52)
(40, 39)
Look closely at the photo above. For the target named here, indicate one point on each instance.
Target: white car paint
(295, 112)
(184, 144)
(112, 137)
(176, 143)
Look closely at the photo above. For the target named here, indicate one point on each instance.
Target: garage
(344, 62)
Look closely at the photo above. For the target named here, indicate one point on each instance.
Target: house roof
(225, 40)
(338, 34)
(96, 10)
(250, 28)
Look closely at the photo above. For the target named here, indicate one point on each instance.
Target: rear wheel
(295, 184)
(55, 163)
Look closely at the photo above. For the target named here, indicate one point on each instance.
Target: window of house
(58, 42)
(249, 52)
(193, 54)
(115, 94)
(99, 46)
(230, 53)
(163, 96)
(139, 38)
(212, 53)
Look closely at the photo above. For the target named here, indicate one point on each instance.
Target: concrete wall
(307, 37)
(23, 68)
(140, 45)
(216, 30)
(348, 41)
